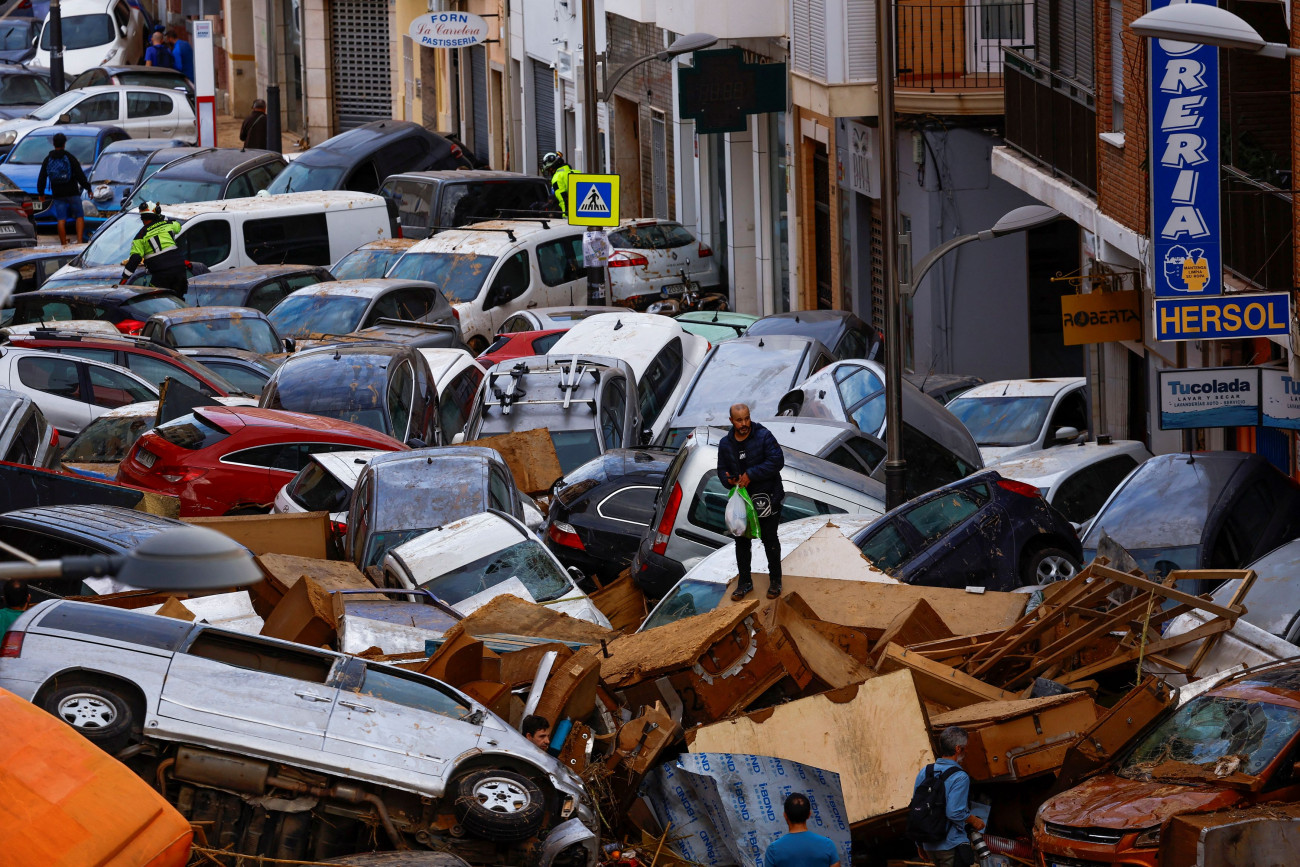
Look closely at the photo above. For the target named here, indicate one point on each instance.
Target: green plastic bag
(733, 516)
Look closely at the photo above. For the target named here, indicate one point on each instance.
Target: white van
(316, 228)
(95, 33)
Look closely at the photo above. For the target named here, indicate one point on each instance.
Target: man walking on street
(67, 180)
(750, 457)
(953, 849)
(157, 53)
(155, 246)
(800, 847)
(253, 132)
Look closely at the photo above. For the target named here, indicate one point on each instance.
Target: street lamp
(1020, 220)
(186, 558)
(1207, 25)
(682, 45)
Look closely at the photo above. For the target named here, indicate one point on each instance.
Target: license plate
(672, 290)
(8, 229)
(146, 457)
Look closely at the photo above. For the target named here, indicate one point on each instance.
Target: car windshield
(143, 308)
(241, 378)
(248, 333)
(118, 167)
(299, 177)
(1158, 561)
(22, 89)
(303, 314)
(351, 391)
(106, 440)
(215, 295)
(32, 150)
(364, 264)
(1272, 597)
(688, 598)
(82, 31)
(460, 276)
(1164, 503)
(761, 374)
(192, 432)
(1002, 421)
(574, 447)
(526, 561)
(177, 191)
(175, 80)
(317, 490)
(57, 106)
(16, 35)
(112, 243)
(397, 510)
(1215, 733)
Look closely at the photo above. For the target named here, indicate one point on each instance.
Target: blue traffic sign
(593, 200)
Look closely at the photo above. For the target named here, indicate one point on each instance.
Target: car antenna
(618, 324)
(1005, 387)
(929, 373)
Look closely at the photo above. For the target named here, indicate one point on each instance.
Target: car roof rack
(472, 228)
(571, 371)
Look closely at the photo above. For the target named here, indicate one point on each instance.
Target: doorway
(627, 154)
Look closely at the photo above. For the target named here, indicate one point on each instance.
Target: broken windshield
(527, 561)
(1216, 734)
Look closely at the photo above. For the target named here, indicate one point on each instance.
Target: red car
(224, 460)
(520, 344)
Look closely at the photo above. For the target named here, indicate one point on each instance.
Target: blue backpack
(59, 168)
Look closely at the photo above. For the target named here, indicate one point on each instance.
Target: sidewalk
(228, 135)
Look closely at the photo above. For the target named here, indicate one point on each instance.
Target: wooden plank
(302, 534)
(829, 663)
(1212, 628)
(1238, 596)
(670, 647)
(530, 455)
(919, 623)
(1229, 613)
(622, 602)
(938, 682)
(1078, 639)
(873, 734)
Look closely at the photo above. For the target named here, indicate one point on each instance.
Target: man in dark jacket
(751, 458)
(253, 132)
(67, 180)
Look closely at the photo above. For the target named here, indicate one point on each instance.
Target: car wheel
(501, 806)
(1049, 565)
(477, 344)
(98, 712)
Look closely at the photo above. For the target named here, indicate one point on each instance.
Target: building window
(1116, 66)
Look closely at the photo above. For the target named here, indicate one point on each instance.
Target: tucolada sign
(448, 30)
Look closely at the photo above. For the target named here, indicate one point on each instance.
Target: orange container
(66, 802)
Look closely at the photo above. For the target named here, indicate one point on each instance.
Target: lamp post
(56, 47)
(1019, 220)
(186, 558)
(895, 462)
(274, 143)
(1207, 25)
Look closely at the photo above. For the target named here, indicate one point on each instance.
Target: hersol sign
(448, 30)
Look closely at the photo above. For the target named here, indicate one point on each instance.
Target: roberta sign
(448, 30)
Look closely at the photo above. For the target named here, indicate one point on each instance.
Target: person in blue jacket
(182, 51)
(750, 457)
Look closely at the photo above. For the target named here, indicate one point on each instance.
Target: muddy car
(294, 751)
(1235, 746)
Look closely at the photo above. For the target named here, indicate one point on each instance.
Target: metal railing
(944, 46)
(1051, 119)
(1256, 231)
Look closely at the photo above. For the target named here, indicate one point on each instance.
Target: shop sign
(1223, 317)
(1279, 398)
(1209, 397)
(448, 30)
(1101, 317)
(859, 157)
(1184, 162)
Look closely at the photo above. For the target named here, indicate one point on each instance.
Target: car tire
(500, 806)
(477, 344)
(1048, 565)
(99, 712)
(399, 859)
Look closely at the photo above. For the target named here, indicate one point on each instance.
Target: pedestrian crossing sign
(593, 200)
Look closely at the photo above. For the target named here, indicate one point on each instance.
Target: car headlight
(1149, 838)
(88, 208)
(7, 137)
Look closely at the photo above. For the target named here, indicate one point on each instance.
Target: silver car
(297, 742)
(650, 259)
(25, 436)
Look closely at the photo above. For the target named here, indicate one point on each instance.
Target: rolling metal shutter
(543, 108)
(478, 95)
(361, 46)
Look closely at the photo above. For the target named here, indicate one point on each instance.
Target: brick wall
(1123, 185)
(650, 86)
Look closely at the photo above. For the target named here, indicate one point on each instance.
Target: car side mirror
(416, 443)
(126, 196)
(64, 118)
(1066, 434)
(646, 435)
(576, 574)
(289, 344)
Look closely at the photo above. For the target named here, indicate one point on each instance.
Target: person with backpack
(67, 180)
(940, 810)
(158, 54)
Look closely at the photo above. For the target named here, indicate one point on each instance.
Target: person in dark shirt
(67, 179)
(253, 132)
(749, 457)
(800, 847)
(157, 54)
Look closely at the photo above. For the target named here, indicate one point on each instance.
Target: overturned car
(291, 751)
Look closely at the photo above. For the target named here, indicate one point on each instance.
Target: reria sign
(1185, 167)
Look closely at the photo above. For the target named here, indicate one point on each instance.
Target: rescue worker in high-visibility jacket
(554, 165)
(155, 246)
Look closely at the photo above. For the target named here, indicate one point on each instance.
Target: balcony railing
(1256, 231)
(945, 46)
(1051, 119)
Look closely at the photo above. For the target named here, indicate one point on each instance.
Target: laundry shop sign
(448, 30)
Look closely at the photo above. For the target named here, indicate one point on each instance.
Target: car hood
(1002, 453)
(23, 175)
(9, 112)
(1110, 801)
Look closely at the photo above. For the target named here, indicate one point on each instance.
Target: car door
(149, 114)
(54, 383)
(1081, 495)
(956, 534)
(561, 272)
(98, 108)
(508, 292)
(109, 388)
(400, 720)
(249, 687)
(1070, 411)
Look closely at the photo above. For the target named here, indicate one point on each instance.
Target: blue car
(982, 531)
(116, 173)
(22, 164)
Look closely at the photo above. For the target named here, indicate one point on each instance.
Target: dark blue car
(116, 173)
(22, 164)
(983, 531)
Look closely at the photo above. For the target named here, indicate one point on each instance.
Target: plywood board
(622, 602)
(918, 624)
(996, 711)
(304, 615)
(940, 683)
(282, 571)
(510, 615)
(670, 647)
(829, 554)
(831, 665)
(871, 606)
(873, 734)
(302, 534)
(530, 454)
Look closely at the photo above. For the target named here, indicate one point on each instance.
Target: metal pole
(273, 141)
(56, 47)
(895, 464)
(589, 97)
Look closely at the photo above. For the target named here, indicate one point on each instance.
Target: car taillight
(177, 475)
(665, 528)
(130, 326)
(28, 209)
(16, 211)
(624, 259)
(705, 250)
(564, 534)
(456, 312)
(54, 438)
(1020, 488)
(338, 528)
(12, 647)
